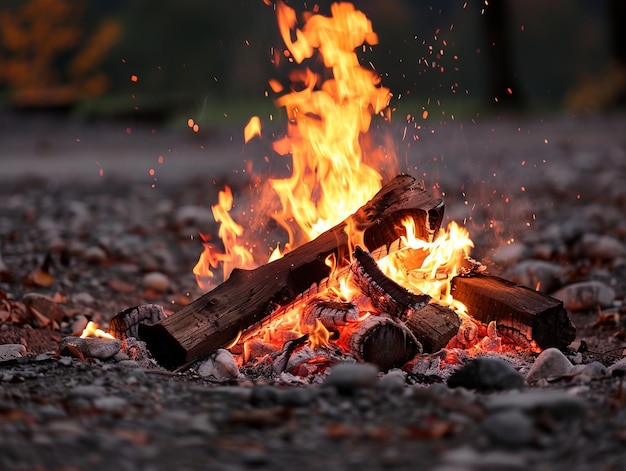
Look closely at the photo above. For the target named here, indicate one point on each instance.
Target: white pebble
(156, 281)
(585, 295)
(551, 363)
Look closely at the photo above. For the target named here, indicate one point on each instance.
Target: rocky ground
(87, 230)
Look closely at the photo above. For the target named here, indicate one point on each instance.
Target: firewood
(434, 325)
(331, 314)
(386, 295)
(516, 309)
(216, 318)
(126, 323)
(381, 340)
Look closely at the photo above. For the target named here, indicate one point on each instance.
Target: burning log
(381, 340)
(518, 310)
(331, 314)
(434, 325)
(386, 295)
(249, 296)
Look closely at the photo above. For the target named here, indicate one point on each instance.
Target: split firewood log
(519, 311)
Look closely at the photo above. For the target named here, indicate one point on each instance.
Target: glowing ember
(92, 330)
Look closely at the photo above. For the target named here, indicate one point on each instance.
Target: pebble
(94, 255)
(110, 403)
(156, 281)
(585, 295)
(560, 405)
(346, 378)
(538, 274)
(510, 253)
(394, 382)
(487, 374)
(11, 351)
(511, 428)
(91, 347)
(221, 366)
(618, 366)
(601, 247)
(551, 363)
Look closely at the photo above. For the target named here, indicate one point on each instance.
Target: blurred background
(168, 61)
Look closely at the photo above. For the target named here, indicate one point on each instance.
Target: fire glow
(333, 173)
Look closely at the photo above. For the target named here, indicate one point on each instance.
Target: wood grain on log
(381, 340)
(434, 325)
(248, 296)
(535, 315)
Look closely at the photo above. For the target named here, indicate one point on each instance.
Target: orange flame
(92, 330)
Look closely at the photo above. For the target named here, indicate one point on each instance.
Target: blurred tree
(46, 58)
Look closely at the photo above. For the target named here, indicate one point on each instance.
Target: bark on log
(248, 296)
(434, 325)
(517, 309)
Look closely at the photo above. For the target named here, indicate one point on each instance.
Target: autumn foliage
(47, 58)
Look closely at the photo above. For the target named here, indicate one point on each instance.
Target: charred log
(386, 295)
(380, 340)
(434, 325)
(249, 296)
(517, 309)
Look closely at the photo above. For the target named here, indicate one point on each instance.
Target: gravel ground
(545, 202)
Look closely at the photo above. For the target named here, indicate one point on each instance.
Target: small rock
(296, 397)
(510, 253)
(90, 347)
(11, 351)
(156, 281)
(538, 274)
(348, 377)
(94, 255)
(487, 374)
(585, 295)
(83, 298)
(551, 363)
(559, 405)
(601, 247)
(264, 395)
(110, 404)
(510, 428)
(221, 366)
(619, 366)
(393, 382)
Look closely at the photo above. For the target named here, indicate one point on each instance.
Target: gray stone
(551, 363)
(394, 381)
(585, 295)
(511, 428)
(510, 253)
(538, 274)
(348, 377)
(558, 404)
(601, 247)
(11, 351)
(110, 403)
(487, 374)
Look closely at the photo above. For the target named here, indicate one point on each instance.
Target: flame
(429, 267)
(253, 128)
(333, 173)
(235, 254)
(92, 330)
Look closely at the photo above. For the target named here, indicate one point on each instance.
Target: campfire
(365, 269)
